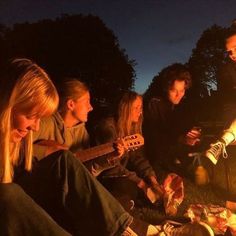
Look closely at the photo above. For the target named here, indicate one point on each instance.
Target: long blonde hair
(25, 88)
(125, 126)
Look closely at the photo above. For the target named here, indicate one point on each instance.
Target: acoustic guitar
(130, 143)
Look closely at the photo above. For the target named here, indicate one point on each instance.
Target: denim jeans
(21, 216)
(65, 189)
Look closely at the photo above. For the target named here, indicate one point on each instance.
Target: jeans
(64, 188)
(21, 216)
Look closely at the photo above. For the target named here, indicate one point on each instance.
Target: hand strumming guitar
(119, 148)
(51, 146)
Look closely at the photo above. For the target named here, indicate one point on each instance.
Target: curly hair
(175, 72)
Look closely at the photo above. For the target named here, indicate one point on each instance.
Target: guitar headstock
(133, 142)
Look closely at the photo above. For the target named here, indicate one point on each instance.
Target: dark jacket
(227, 91)
(164, 123)
(227, 81)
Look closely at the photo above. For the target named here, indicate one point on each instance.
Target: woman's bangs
(47, 106)
(40, 108)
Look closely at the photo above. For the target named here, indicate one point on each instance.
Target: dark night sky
(155, 33)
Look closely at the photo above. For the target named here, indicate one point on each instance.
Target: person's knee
(68, 164)
(70, 159)
(10, 195)
(62, 158)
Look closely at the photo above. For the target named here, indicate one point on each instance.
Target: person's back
(226, 83)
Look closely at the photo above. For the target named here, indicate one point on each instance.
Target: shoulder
(81, 129)
(155, 99)
(156, 102)
(47, 122)
(46, 128)
(109, 121)
(106, 125)
(227, 67)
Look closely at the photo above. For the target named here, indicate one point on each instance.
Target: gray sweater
(52, 128)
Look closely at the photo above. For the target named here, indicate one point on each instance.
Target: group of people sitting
(48, 185)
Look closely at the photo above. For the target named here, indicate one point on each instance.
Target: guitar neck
(130, 142)
(94, 152)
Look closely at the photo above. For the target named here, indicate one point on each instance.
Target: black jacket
(227, 82)
(164, 123)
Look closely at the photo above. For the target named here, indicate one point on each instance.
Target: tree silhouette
(75, 46)
(203, 64)
(3, 30)
(206, 59)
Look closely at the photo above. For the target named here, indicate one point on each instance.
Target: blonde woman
(57, 188)
(133, 170)
(27, 94)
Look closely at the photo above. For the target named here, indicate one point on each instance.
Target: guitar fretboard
(94, 152)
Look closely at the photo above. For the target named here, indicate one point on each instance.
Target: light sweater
(53, 128)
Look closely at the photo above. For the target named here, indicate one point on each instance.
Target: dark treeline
(73, 46)
(83, 47)
(204, 63)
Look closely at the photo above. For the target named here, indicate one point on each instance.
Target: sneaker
(193, 229)
(215, 150)
(152, 230)
(138, 227)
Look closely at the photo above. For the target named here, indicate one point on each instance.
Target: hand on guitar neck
(122, 145)
(128, 143)
(119, 148)
(106, 156)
